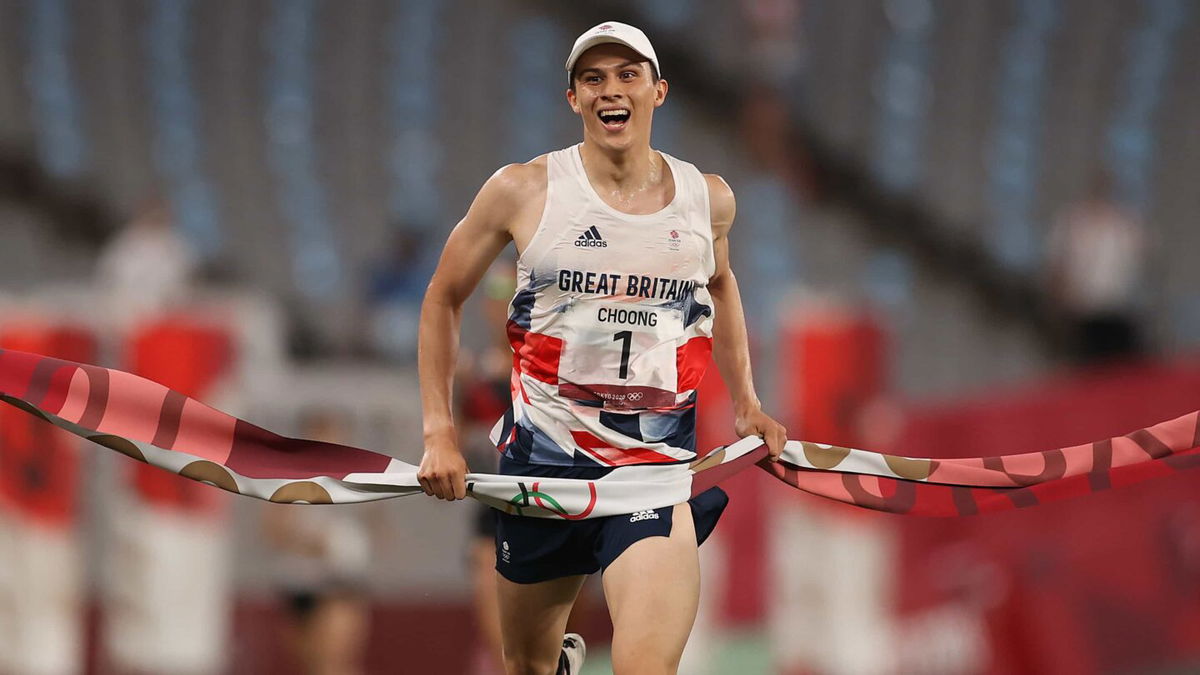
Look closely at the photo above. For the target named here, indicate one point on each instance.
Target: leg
(487, 611)
(533, 618)
(338, 629)
(653, 592)
(296, 628)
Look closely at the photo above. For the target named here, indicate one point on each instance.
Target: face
(615, 94)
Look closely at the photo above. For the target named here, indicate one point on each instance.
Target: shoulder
(512, 187)
(722, 205)
(515, 181)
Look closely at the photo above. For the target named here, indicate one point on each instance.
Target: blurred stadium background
(964, 228)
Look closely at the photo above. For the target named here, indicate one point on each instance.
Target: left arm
(731, 347)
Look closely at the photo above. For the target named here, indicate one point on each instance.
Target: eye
(628, 75)
(592, 79)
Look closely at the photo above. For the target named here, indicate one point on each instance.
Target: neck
(624, 170)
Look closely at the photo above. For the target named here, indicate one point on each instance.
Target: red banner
(190, 358)
(39, 464)
(1110, 583)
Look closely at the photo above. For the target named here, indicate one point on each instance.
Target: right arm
(473, 244)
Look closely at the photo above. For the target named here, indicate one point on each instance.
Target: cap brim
(597, 40)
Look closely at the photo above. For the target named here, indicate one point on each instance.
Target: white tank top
(611, 326)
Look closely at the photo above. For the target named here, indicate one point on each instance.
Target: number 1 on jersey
(627, 337)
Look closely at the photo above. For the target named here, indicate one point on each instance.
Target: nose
(611, 89)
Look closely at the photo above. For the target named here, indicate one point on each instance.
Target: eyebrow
(594, 69)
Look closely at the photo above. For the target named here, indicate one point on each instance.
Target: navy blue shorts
(529, 550)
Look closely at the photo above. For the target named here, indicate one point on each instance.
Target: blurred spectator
(1095, 255)
(167, 591)
(395, 288)
(769, 211)
(43, 595)
(483, 397)
(776, 43)
(769, 142)
(322, 557)
(146, 267)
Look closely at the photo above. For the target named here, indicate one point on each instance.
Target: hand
(443, 470)
(755, 422)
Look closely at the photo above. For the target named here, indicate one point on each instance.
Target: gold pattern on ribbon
(210, 472)
(824, 457)
(912, 469)
(302, 491)
(122, 445)
(708, 461)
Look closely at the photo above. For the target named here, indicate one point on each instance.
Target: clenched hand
(755, 422)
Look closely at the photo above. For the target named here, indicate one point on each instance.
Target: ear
(573, 100)
(660, 92)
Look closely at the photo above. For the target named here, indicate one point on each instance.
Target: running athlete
(624, 291)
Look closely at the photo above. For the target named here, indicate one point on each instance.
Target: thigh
(338, 633)
(653, 591)
(533, 619)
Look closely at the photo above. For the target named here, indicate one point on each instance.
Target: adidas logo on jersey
(643, 515)
(591, 239)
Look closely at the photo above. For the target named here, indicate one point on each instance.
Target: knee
(523, 664)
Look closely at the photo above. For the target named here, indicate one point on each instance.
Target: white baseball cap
(613, 32)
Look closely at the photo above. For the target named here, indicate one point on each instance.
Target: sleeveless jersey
(610, 326)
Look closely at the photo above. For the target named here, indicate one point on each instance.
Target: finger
(763, 432)
(446, 488)
(425, 486)
(460, 487)
(775, 440)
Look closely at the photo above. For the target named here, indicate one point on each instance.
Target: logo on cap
(604, 27)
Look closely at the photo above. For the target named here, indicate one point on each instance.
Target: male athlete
(624, 290)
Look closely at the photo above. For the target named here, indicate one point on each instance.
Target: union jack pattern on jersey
(610, 326)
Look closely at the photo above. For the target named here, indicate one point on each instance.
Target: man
(1096, 256)
(624, 289)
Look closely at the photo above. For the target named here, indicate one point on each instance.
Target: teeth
(613, 113)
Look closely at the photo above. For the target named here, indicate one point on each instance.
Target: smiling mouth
(614, 120)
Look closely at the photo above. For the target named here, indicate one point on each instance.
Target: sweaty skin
(652, 588)
(631, 177)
